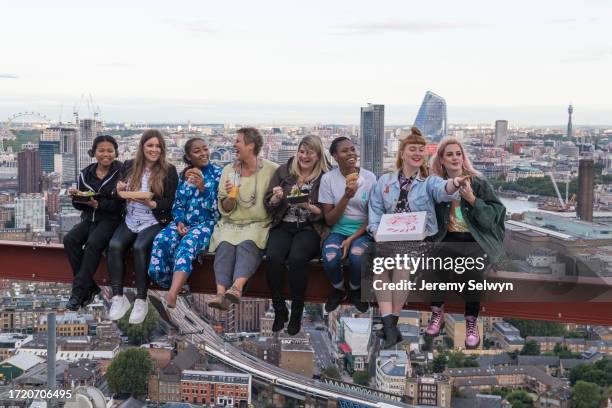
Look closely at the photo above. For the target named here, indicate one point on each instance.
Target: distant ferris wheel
(12, 121)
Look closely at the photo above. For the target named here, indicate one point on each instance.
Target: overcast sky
(307, 62)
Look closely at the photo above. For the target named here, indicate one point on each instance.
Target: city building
(431, 118)
(30, 212)
(47, 151)
(501, 132)
(10, 342)
(216, 387)
(88, 130)
(69, 168)
(66, 136)
(355, 340)
(428, 390)
(15, 366)
(29, 170)
(264, 348)
(455, 329)
(297, 358)
(372, 138)
(507, 336)
(70, 324)
(392, 369)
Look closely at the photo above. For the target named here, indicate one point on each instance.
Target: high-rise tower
(431, 119)
(372, 138)
(570, 130)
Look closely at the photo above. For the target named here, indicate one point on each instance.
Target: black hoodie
(109, 206)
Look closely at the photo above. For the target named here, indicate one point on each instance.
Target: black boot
(295, 322)
(391, 332)
(334, 300)
(281, 315)
(91, 296)
(73, 304)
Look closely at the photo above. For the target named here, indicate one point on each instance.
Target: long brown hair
(436, 161)
(415, 137)
(159, 171)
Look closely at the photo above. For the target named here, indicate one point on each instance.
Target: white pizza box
(406, 226)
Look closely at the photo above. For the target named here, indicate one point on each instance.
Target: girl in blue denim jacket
(405, 190)
(194, 216)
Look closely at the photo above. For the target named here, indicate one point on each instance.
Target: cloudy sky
(304, 62)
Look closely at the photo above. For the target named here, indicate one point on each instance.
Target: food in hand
(351, 178)
(84, 193)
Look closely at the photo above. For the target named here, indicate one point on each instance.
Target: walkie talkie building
(431, 119)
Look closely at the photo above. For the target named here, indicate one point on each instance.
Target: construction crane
(557, 190)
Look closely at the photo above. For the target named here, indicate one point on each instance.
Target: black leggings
(471, 308)
(294, 247)
(141, 244)
(84, 245)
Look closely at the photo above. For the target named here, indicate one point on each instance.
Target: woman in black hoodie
(100, 216)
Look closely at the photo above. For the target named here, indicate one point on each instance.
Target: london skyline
(309, 63)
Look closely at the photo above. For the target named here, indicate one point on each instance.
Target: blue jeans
(332, 258)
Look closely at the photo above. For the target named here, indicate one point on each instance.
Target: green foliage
(139, 333)
(129, 372)
(361, 378)
(531, 348)
(439, 363)
(599, 373)
(520, 399)
(563, 352)
(537, 327)
(22, 137)
(427, 346)
(449, 342)
(331, 372)
(587, 395)
(460, 360)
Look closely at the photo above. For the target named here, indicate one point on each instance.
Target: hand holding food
(277, 194)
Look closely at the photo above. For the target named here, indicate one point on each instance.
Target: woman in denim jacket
(409, 189)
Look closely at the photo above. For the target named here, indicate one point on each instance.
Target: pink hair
(435, 163)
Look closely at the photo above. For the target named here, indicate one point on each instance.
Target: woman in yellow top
(241, 233)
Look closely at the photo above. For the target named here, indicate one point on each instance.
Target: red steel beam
(47, 263)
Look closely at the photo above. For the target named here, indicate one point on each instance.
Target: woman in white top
(144, 219)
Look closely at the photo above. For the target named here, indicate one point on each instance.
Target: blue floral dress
(198, 211)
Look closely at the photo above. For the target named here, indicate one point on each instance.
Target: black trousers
(141, 244)
(290, 248)
(471, 308)
(84, 245)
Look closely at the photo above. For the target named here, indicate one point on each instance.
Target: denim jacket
(424, 194)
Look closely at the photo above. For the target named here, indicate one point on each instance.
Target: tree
(331, 372)
(599, 373)
(129, 372)
(361, 378)
(439, 363)
(531, 348)
(537, 327)
(562, 351)
(586, 395)
(314, 310)
(459, 360)
(427, 346)
(520, 399)
(139, 333)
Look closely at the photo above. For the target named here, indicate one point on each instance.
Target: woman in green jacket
(475, 224)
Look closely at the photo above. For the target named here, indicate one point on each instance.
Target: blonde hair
(313, 143)
(436, 161)
(415, 137)
(159, 171)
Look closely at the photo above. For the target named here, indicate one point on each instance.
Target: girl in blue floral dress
(195, 215)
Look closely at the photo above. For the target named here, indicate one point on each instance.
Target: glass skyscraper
(431, 119)
(372, 140)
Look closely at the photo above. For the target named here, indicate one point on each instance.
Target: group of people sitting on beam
(302, 210)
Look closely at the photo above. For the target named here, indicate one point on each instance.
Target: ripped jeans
(332, 258)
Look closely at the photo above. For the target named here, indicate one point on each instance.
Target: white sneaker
(119, 307)
(139, 311)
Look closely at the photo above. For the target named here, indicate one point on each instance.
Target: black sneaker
(91, 296)
(281, 315)
(73, 304)
(295, 322)
(355, 299)
(334, 300)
